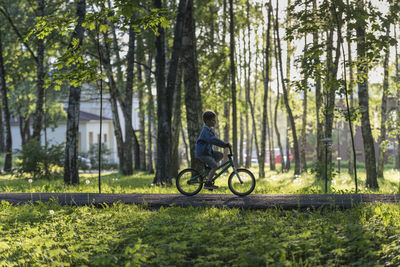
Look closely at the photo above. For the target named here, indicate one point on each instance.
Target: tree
(286, 98)
(141, 91)
(193, 101)
(71, 175)
(131, 143)
(37, 122)
(351, 149)
(398, 100)
(303, 138)
(165, 93)
(331, 83)
(233, 81)
(176, 124)
(385, 92)
(265, 100)
(150, 115)
(6, 110)
(318, 95)
(363, 96)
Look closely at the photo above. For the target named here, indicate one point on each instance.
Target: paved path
(254, 201)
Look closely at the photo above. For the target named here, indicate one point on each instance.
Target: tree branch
(18, 33)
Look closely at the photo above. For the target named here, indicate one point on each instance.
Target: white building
(89, 126)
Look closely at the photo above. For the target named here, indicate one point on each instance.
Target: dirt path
(218, 200)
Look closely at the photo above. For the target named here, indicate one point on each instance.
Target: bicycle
(241, 181)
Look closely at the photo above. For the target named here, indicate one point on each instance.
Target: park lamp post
(338, 162)
(327, 141)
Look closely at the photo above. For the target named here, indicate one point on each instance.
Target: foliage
(129, 235)
(40, 161)
(93, 155)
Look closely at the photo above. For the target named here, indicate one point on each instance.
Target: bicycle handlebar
(230, 150)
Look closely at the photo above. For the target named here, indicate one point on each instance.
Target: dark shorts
(211, 161)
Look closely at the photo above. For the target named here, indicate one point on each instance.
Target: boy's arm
(212, 139)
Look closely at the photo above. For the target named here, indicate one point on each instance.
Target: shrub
(40, 161)
(93, 155)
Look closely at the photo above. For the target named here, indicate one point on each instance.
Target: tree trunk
(126, 107)
(141, 88)
(226, 104)
(114, 96)
(186, 147)
(116, 48)
(131, 143)
(330, 87)
(278, 135)
(362, 78)
(271, 134)
(350, 151)
(233, 82)
(287, 161)
(385, 92)
(247, 92)
(241, 133)
(191, 83)
(164, 126)
(71, 175)
(303, 131)
(286, 98)
(165, 93)
(397, 156)
(270, 131)
(318, 103)
(150, 115)
(7, 117)
(226, 128)
(176, 124)
(37, 123)
(265, 100)
(303, 147)
(2, 145)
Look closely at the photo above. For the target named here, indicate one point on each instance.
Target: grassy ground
(141, 182)
(48, 234)
(127, 235)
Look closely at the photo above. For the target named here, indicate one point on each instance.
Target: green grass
(129, 235)
(141, 182)
(47, 234)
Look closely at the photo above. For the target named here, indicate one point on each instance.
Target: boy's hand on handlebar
(228, 145)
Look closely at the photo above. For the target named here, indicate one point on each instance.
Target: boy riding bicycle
(204, 151)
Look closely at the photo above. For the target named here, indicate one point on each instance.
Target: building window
(105, 138)
(90, 138)
(98, 138)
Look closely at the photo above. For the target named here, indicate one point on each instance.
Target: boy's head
(209, 118)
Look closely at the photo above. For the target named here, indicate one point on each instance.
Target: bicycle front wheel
(242, 183)
(189, 182)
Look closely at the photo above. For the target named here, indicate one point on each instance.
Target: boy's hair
(208, 115)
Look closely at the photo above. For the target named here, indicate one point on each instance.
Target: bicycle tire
(245, 188)
(182, 182)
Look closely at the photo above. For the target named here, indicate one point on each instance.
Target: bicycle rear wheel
(189, 182)
(245, 185)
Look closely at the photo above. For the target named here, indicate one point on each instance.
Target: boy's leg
(217, 156)
(211, 174)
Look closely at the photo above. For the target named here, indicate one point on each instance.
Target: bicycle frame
(225, 166)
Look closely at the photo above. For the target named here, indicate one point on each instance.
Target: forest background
(278, 75)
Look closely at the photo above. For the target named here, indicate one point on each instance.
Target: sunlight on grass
(141, 182)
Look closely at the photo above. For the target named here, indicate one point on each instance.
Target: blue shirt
(205, 141)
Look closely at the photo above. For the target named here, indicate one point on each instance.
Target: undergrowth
(48, 234)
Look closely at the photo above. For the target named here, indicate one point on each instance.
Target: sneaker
(210, 186)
